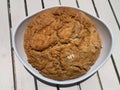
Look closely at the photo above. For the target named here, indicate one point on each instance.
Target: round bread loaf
(62, 43)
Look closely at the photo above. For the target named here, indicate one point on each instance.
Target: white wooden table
(13, 76)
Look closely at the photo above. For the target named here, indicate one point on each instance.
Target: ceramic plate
(107, 43)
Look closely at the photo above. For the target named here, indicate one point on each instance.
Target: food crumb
(71, 56)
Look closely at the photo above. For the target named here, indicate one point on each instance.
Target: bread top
(62, 43)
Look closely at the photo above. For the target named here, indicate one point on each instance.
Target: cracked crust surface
(62, 43)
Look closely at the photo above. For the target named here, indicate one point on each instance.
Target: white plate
(107, 43)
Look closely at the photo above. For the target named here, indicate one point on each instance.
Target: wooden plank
(106, 14)
(43, 86)
(91, 84)
(87, 6)
(116, 7)
(49, 3)
(108, 77)
(22, 76)
(93, 81)
(6, 72)
(71, 3)
(34, 6)
(24, 80)
(17, 11)
(75, 87)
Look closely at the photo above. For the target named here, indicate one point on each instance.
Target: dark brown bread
(62, 43)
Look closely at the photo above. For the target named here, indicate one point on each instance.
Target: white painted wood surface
(43, 86)
(6, 71)
(91, 84)
(75, 87)
(87, 6)
(107, 78)
(115, 4)
(106, 14)
(71, 3)
(49, 3)
(33, 6)
(116, 7)
(24, 81)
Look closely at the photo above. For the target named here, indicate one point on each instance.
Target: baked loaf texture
(62, 43)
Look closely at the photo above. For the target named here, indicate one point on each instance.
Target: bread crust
(62, 43)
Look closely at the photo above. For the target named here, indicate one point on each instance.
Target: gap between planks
(12, 55)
